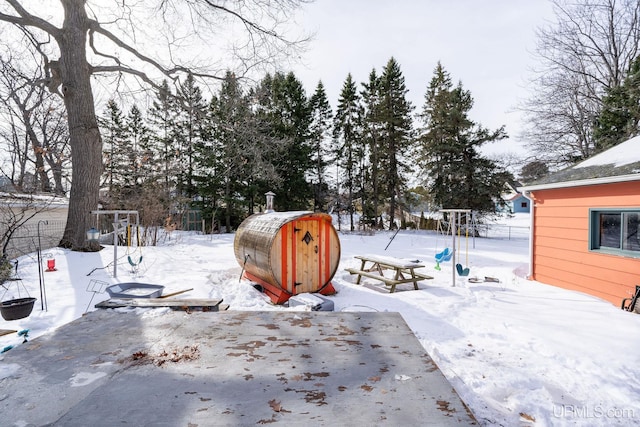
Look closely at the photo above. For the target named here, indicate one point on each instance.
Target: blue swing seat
(462, 271)
(443, 256)
(134, 264)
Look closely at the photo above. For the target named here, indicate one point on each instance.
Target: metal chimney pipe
(270, 195)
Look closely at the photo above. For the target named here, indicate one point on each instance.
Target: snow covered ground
(517, 351)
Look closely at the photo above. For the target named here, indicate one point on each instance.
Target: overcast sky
(487, 44)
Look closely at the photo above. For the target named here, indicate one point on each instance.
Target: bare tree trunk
(70, 75)
(84, 136)
(44, 184)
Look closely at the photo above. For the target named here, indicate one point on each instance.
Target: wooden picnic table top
(389, 261)
(404, 270)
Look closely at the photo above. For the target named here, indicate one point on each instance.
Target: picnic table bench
(403, 270)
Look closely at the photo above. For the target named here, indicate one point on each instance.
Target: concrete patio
(173, 368)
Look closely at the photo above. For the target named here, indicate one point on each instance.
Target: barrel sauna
(288, 253)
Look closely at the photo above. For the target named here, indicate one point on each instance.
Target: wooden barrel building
(288, 253)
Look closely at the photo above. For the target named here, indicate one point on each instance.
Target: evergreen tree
(284, 110)
(396, 134)
(372, 130)
(533, 171)
(162, 118)
(620, 115)
(113, 130)
(192, 111)
(347, 132)
(266, 148)
(320, 132)
(143, 181)
(209, 175)
(141, 156)
(226, 157)
(459, 177)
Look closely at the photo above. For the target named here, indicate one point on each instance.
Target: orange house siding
(561, 255)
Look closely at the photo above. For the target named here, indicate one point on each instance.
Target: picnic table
(403, 271)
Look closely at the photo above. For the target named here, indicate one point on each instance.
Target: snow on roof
(622, 154)
(511, 196)
(617, 164)
(23, 199)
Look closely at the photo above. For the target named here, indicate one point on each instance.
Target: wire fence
(499, 231)
(28, 237)
(489, 231)
(48, 235)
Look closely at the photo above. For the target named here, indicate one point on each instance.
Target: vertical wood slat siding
(292, 259)
(285, 235)
(326, 256)
(301, 259)
(561, 255)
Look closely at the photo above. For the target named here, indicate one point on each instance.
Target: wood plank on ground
(174, 304)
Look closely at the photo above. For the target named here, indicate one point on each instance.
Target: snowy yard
(518, 352)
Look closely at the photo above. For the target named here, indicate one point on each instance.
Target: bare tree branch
(585, 53)
(149, 41)
(25, 19)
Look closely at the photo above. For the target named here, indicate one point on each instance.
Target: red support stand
(278, 295)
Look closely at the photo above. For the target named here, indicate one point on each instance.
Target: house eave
(581, 182)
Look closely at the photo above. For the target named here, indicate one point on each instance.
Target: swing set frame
(455, 216)
(121, 222)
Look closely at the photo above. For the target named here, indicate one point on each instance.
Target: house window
(615, 231)
(523, 204)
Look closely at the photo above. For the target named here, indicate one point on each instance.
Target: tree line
(584, 98)
(220, 155)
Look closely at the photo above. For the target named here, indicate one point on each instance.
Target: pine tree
(210, 174)
(162, 118)
(284, 113)
(372, 131)
(141, 156)
(619, 118)
(143, 180)
(225, 158)
(113, 130)
(320, 132)
(458, 176)
(533, 171)
(396, 134)
(189, 121)
(348, 150)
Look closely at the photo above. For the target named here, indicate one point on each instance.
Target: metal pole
(116, 227)
(453, 245)
(43, 293)
(473, 228)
